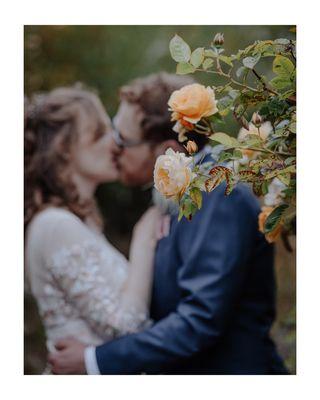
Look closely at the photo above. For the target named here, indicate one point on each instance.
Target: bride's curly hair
(53, 122)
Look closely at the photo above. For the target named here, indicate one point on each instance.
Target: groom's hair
(151, 94)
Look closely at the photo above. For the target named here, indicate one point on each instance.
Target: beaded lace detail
(78, 291)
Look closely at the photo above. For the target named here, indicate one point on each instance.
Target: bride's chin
(112, 175)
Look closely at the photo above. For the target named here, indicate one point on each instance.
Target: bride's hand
(151, 227)
(145, 236)
(145, 232)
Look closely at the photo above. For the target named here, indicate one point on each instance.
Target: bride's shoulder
(53, 214)
(52, 218)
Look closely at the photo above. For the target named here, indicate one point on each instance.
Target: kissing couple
(194, 297)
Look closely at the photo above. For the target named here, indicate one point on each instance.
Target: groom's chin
(130, 181)
(124, 178)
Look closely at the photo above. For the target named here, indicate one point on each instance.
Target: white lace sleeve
(92, 275)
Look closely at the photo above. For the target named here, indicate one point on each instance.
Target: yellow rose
(191, 103)
(273, 235)
(172, 174)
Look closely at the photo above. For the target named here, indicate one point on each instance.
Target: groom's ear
(163, 146)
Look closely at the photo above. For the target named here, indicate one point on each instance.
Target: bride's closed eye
(100, 131)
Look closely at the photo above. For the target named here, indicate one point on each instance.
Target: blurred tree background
(104, 58)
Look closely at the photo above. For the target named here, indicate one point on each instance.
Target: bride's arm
(136, 293)
(92, 278)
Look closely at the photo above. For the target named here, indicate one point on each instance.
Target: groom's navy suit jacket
(213, 298)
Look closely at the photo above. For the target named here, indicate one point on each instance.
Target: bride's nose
(115, 147)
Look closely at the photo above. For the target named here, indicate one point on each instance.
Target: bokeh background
(103, 58)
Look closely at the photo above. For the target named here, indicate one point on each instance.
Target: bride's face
(91, 153)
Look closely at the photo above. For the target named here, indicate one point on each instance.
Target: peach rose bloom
(172, 174)
(273, 235)
(191, 103)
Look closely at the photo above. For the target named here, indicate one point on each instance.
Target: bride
(84, 287)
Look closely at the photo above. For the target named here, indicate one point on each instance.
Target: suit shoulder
(242, 193)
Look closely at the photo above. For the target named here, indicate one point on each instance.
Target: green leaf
(250, 62)
(247, 175)
(180, 213)
(280, 82)
(257, 188)
(224, 102)
(264, 47)
(240, 71)
(290, 160)
(285, 178)
(225, 139)
(226, 60)
(283, 67)
(196, 196)
(210, 53)
(207, 63)
(293, 127)
(224, 155)
(214, 118)
(230, 183)
(237, 154)
(218, 175)
(179, 49)
(274, 218)
(265, 187)
(185, 68)
(197, 57)
(187, 209)
(251, 140)
(277, 172)
(234, 93)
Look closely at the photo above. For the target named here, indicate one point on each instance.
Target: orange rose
(273, 235)
(191, 103)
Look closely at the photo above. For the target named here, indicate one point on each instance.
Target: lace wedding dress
(78, 279)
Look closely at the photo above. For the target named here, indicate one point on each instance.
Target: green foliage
(219, 174)
(196, 196)
(184, 68)
(224, 139)
(274, 218)
(265, 108)
(197, 57)
(250, 62)
(180, 50)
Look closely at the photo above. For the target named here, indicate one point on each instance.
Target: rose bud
(191, 147)
(218, 39)
(256, 119)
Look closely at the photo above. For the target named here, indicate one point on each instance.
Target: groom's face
(134, 156)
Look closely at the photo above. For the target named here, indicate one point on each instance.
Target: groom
(213, 294)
